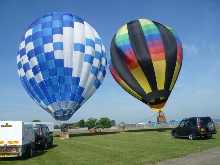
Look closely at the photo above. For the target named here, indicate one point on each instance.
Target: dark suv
(43, 136)
(195, 126)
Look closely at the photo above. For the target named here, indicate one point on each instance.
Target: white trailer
(16, 138)
(49, 124)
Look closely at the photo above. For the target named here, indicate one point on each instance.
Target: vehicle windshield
(182, 124)
(205, 120)
(37, 129)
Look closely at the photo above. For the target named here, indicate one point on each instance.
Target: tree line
(103, 122)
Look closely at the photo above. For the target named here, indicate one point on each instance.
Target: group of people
(161, 117)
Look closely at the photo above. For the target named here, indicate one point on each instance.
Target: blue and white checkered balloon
(61, 63)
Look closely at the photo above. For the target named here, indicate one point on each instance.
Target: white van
(16, 138)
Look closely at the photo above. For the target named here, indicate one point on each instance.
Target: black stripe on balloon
(142, 53)
(156, 95)
(157, 102)
(123, 71)
(170, 47)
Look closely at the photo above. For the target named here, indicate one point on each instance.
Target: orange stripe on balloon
(158, 57)
(123, 84)
(179, 59)
(133, 65)
(115, 74)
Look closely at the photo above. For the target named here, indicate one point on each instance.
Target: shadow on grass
(150, 130)
(38, 148)
(78, 134)
(37, 152)
(197, 138)
(71, 135)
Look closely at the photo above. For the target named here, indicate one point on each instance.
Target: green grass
(116, 147)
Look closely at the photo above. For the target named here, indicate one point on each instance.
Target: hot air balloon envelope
(61, 63)
(146, 58)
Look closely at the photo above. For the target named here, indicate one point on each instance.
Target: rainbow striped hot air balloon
(146, 58)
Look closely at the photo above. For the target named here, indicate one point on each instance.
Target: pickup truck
(43, 136)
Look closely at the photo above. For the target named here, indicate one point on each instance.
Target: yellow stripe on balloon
(128, 89)
(177, 68)
(158, 107)
(159, 69)
(122, 30)
(141, 79)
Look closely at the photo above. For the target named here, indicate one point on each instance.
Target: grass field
(116, 147)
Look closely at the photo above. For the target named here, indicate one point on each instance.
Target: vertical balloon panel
(61, 63)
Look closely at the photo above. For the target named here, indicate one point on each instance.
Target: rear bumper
(10, 151)
(10, 154)
(205, 133)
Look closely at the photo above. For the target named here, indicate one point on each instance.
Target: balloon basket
(161, 120)
(64, 135)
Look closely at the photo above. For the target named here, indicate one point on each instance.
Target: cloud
(190, 49)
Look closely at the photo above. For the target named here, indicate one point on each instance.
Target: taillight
(198, 124)
(40, 132)
(13, 150)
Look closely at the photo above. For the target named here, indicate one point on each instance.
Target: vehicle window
(201, 122)
(182, 124)
(37, 129)
(44, 130)
(205, 120)
(47, 130)
(187, 123)
(193, 123)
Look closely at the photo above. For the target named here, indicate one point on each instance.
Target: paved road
(207, 157)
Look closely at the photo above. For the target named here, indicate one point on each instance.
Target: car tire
(51, 143)
(210, 126)
(45, 145)
(191, 136)
(208, 136)
(175, 134)
(29, 152)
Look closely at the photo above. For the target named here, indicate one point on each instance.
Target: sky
(196, 92)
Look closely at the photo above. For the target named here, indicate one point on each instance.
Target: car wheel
(51, 143)
(208, 136)
(29, 152)
(45, 145)
(210, 126)
(175, 135)
(191, 136)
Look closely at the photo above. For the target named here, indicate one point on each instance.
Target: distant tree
(112, 123)
(74, 125)
(69, 125)
(104, 122)
(35, 121)
(81, 123)
(56, 127)
(91, 122)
